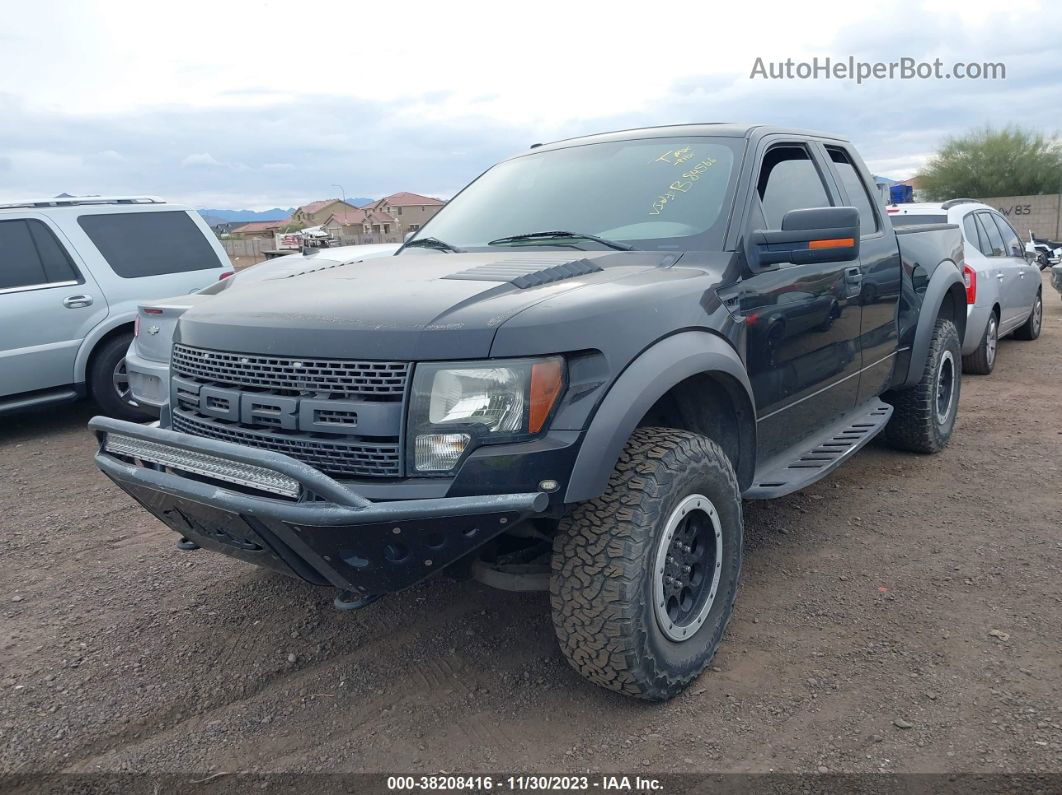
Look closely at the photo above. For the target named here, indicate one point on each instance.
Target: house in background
(316, 213)
(363, 225)
(222, 228)
(410, 210)
(263, 229)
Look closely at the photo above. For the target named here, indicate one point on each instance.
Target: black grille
(333, 456)
(336, 376)
(341, 417)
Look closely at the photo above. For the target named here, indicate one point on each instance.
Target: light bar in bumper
(165, 455)
(318, 528)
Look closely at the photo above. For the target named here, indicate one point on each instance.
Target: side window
(856, 190)
(56, 262)
(149, 243)
(981, 238)
(788, 181)
(1011, 244)
(969, 231)
(995, 240)
(20, 266)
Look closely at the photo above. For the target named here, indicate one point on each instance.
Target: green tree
(988, 162)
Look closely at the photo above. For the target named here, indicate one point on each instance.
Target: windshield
(655, 194)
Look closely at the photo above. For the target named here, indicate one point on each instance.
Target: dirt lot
(902, 615)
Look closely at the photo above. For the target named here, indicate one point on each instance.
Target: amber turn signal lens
(547, 380)
(837, 242)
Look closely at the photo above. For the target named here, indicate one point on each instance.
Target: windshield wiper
(433, 242)
(560, 235)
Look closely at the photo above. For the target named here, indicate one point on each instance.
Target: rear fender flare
(648, 378)
(946, 278)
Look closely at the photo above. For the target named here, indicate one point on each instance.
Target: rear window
(917, 220)
(856, 190)
(150, 244)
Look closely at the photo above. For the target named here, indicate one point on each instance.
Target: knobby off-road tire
(923, 415)
(1030, 329)
(607, 557)
(981, 361)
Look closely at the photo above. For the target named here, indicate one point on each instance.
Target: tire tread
(599, 564)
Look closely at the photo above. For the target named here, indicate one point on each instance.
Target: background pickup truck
(569, 378)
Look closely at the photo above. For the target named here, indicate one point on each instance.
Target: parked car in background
(71, 273)
(1003, 288)
(1056, 277)
(1045, 252)
(148, 358)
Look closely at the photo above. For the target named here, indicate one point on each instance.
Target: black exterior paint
(794, 347)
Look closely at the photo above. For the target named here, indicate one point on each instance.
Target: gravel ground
(902, 615)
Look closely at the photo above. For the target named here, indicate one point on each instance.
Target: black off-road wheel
(983, 359)
(644, 576)
(923, 415)
(1030, 329)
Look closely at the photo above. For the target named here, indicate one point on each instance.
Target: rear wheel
(983, 359)
(923, 415)
(109, 382)
(644, 577)
(1030, 329)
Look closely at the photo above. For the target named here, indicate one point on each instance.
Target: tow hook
(348, 600)
(187, 544)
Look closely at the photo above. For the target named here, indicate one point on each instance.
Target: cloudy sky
(261, 104)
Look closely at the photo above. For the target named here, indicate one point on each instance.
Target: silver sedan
(1003, 289)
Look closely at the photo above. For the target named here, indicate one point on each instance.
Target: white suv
(1003, 289)
(72, 272)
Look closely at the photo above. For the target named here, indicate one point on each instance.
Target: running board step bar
(788, 473)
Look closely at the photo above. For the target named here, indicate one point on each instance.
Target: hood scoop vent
(308, 271)
(524, 273)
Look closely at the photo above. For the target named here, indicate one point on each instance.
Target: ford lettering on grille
(343, 417)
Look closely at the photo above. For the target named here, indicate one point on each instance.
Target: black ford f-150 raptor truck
(588, 357)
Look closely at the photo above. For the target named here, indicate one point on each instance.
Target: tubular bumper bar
(323, 532)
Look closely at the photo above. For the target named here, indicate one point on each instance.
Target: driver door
(802, 320)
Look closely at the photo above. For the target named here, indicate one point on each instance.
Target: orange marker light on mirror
(547, 381)
(837, 242)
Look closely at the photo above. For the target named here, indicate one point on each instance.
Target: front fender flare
(648, 378)
(946, 278)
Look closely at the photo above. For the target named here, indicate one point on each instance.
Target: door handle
(853, 275)
(77, 301)
(1000, 276)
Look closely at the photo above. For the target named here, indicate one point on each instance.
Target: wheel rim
(991, 340)
(689, 562)
(1037, 314)
(945, 386)
(120, 382)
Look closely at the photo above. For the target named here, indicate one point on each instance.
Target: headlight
(454, 406)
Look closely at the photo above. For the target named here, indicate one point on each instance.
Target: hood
(296, 263)
(420, 306)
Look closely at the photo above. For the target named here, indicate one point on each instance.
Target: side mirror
(818, 234)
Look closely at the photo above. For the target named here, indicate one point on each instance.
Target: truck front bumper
(274, 511)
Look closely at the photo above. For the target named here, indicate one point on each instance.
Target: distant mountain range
(216, 216)
(213, 216)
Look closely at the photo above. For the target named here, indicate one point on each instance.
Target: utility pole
(342, 192)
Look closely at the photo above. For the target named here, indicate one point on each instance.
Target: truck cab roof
(717, 129)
